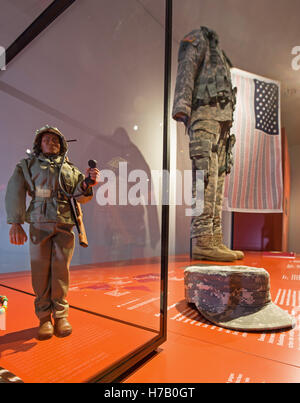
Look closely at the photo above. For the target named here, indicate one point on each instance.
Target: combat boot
(46, 329)
(206, 250)
(62, 327)
(218, 242)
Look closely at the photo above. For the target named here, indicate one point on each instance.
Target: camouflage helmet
(49, 129)
(235, 297)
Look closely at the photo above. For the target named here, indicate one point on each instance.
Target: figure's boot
(218, 242)
(206, 250)
(46, 329)
(62, 327)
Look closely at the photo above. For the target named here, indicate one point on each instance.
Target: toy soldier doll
(51, 222)
(204, 101)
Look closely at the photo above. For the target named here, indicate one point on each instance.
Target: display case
(99, 71)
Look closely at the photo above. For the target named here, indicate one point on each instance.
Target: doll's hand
(94, 175)
(17, 235)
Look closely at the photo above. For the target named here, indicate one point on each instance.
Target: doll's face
(50, 144)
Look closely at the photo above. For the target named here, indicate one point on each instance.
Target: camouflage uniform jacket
(203, 85)
(48, 203)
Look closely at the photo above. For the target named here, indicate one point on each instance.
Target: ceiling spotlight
(135, 127)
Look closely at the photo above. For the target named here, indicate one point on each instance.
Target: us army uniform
(50, 219)
(204, 100)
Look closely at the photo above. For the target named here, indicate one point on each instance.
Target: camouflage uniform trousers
(208, 153)
(51, 251)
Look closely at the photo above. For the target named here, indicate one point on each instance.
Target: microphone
(89, 181)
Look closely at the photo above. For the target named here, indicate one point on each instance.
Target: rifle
(78, 218)
(75, 206)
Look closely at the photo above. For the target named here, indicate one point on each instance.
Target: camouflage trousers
(208, 140)
(51, 251)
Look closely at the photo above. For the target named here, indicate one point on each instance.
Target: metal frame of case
(55, 9)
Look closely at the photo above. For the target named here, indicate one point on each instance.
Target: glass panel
(251, 215)
(97, 74)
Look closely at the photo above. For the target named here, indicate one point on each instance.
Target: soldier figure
(204, 101)
(51, 223)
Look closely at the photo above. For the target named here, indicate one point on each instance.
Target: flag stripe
(279, 182)
(252, 150)
(273, 172)
(263, 175)
(258, 175)
(268, 171)
(245, 128)
(254, 176)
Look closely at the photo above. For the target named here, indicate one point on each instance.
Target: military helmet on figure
(49, 129)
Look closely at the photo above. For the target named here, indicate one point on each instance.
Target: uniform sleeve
(15, 197)
(190, 56)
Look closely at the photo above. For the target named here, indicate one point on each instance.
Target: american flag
(255, 183)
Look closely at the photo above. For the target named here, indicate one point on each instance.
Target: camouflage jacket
(48, 204)
(203, 85)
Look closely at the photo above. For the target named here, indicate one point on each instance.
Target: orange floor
(196, 351)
